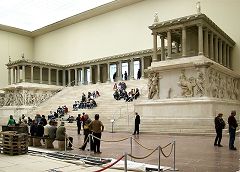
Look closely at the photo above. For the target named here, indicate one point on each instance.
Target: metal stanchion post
(89, 139)
(159, 160)
(174, 155)
(65, 144)
(131, 146)
(125, 162)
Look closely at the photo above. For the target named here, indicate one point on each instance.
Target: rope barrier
(144, 156)
(141, 144)
(169, 153)
(110, 165)
(109, 140)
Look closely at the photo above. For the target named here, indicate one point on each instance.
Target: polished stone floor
(194, 153)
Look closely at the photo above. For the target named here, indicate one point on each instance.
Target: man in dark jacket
(232, 122)
(137, 122)
(79, 123)
(219, 126)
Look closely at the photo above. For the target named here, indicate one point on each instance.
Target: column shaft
(142, 67)
(49, 76)
(31, 74)
(69, 77)
(224, 54)
(216, 49)
(23, 73)
(184, 42)
(206, 43)
(40, 77)
(76, 76)
(14, 75)
(57, 76)
(154, 59)
(90, 78)
(18, 74)
(162, 48)
(200, 40)
(9, 76)
(64, 77)
(132, 69)
(83, 75)
(211, 46)
(98, 74)
(120, 70)
(108, 72)
(220, 52)
(228, 57)
(169, 43)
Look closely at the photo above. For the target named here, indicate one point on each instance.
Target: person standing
(232, 122)
(86, 132)
(79, 123)
(97, 128)
(137, 122)
(125, 75)
(139, 74)
(219, 126)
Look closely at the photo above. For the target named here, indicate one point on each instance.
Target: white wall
(13, 45)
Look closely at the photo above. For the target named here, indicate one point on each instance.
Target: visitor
(219, 126)
(232, 122)
(137, 122)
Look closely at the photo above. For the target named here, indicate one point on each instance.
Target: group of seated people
(121, 93)
(87, 102)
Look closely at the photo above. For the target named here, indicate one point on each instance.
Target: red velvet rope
(110, 165)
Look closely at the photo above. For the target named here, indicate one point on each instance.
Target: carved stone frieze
(24, 97)
(153, 85)
(222, 86)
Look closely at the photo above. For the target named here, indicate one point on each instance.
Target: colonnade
(192, 40)
(72, 74)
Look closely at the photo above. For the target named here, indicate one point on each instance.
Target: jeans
(232, 132)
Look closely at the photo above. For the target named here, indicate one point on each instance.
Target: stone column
(23, 73)
(132, 68)
(90, 78)
(211, 46)
(169, 44)
(220, 52)
(216, 49)
(64, 77)
(76, 76)
(18, 74)
(162, 48)
(154, 59)
(69, 77)
(14, 75)
(142, 67)
(57, 76)
(98, 74)
(108, 73)
(228, 57)
(120, 70)
(9, 76)
(32, 74)
(200, 39)
(49, 76)
(206, 53)
(40, 71)
(184, 42)
(224, 54)
(83, 75)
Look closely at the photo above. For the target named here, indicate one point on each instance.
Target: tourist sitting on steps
(61, 135)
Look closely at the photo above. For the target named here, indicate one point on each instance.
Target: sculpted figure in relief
(200, 84)
(153, 88)
(187, 85)
(230, 88)
(236, 90)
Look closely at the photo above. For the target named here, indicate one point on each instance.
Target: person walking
(139, 74)
(79, 123)
(219, 126)
(97, 128)
(137, 122)
(232, 123)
